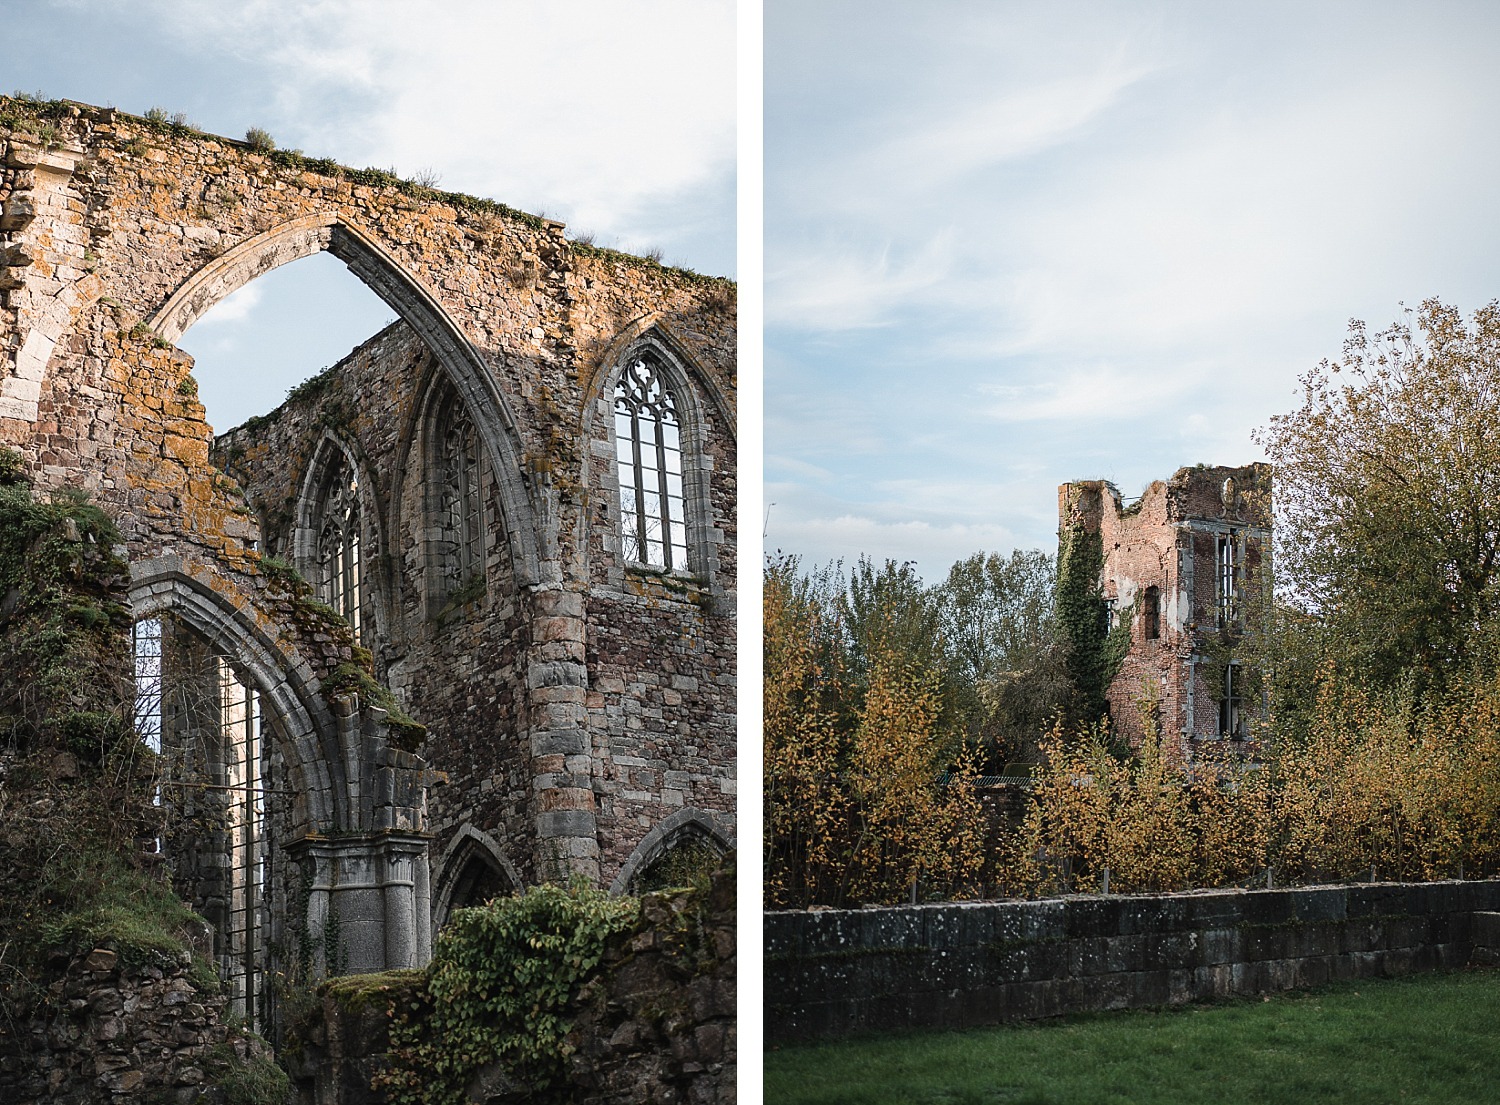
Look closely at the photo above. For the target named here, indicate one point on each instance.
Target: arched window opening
(147, 652)
(688, 859)
(459, 499)
(240, 952)
(477, 883)
(339, 569)
(1152, 616)
(648, 441)
(193, 709)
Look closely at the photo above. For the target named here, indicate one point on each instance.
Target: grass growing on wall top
(1424, 1039)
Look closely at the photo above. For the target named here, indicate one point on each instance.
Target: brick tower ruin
(1183, 569)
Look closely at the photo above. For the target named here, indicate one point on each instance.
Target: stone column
(367, 907)
(561, 757)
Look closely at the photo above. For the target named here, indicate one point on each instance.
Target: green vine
(1093, 650)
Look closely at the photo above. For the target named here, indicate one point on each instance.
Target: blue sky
(577, 111)
(1009, 245)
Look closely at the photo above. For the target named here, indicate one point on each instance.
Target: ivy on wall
(1092, 650)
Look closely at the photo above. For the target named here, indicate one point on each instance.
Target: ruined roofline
(1080, 495)
(50, 112)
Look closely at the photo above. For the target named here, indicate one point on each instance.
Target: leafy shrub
(498, 988)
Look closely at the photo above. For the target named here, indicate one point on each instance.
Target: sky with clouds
(618, 119)
(1014, 244)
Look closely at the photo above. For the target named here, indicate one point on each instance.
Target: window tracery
(338, 547)
(648, 439)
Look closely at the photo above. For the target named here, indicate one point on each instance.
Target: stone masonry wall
(830, 973)
(117, 233)
(653, 1025)
(1166, 540)
(111, 1033)
(658, 646)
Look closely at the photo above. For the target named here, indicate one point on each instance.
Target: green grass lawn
(1429, 1038)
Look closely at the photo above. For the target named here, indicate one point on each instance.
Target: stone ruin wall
(659, 649)
(961, 965)
(117, 1032)
(602, 694)
(653, 1023)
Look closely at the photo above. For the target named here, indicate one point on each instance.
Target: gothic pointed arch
(654, 409)
(451, 506)
(338, 541)
(458, 359)
(472, 870)
(687, 831)
(301, 721)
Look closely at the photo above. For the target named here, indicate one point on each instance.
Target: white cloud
(1008, 126)
(1096, 392)
(592, 108)
(234, 308)
(855, 285)
(934, 548)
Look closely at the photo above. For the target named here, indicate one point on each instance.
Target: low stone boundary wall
(830, 973)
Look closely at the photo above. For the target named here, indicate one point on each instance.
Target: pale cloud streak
(1009, 127)
(235, 308)
(1106, 238)
(597, 111)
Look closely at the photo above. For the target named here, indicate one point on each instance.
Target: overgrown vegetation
(260, 140)
(1374, 645)
(1092, 648)
(497, 995)
(860, 726)
(256, 1081)
(76, 781)
(74, 803)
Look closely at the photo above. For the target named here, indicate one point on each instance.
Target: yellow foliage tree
(860, 805)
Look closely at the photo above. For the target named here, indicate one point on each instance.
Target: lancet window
(459, 502)
(339, 568)
(648, 439)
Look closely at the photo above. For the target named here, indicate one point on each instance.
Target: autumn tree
(861, 804)
(1388, 498)
(1000, 631)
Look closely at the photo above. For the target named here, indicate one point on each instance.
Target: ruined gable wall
(1140, 551)
(138, 222)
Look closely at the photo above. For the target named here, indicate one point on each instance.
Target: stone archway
(455, 354)
(303, 721)
(684, 826)
(358, 832)
(469, 851)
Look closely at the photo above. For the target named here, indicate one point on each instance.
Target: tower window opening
(1227, 589)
